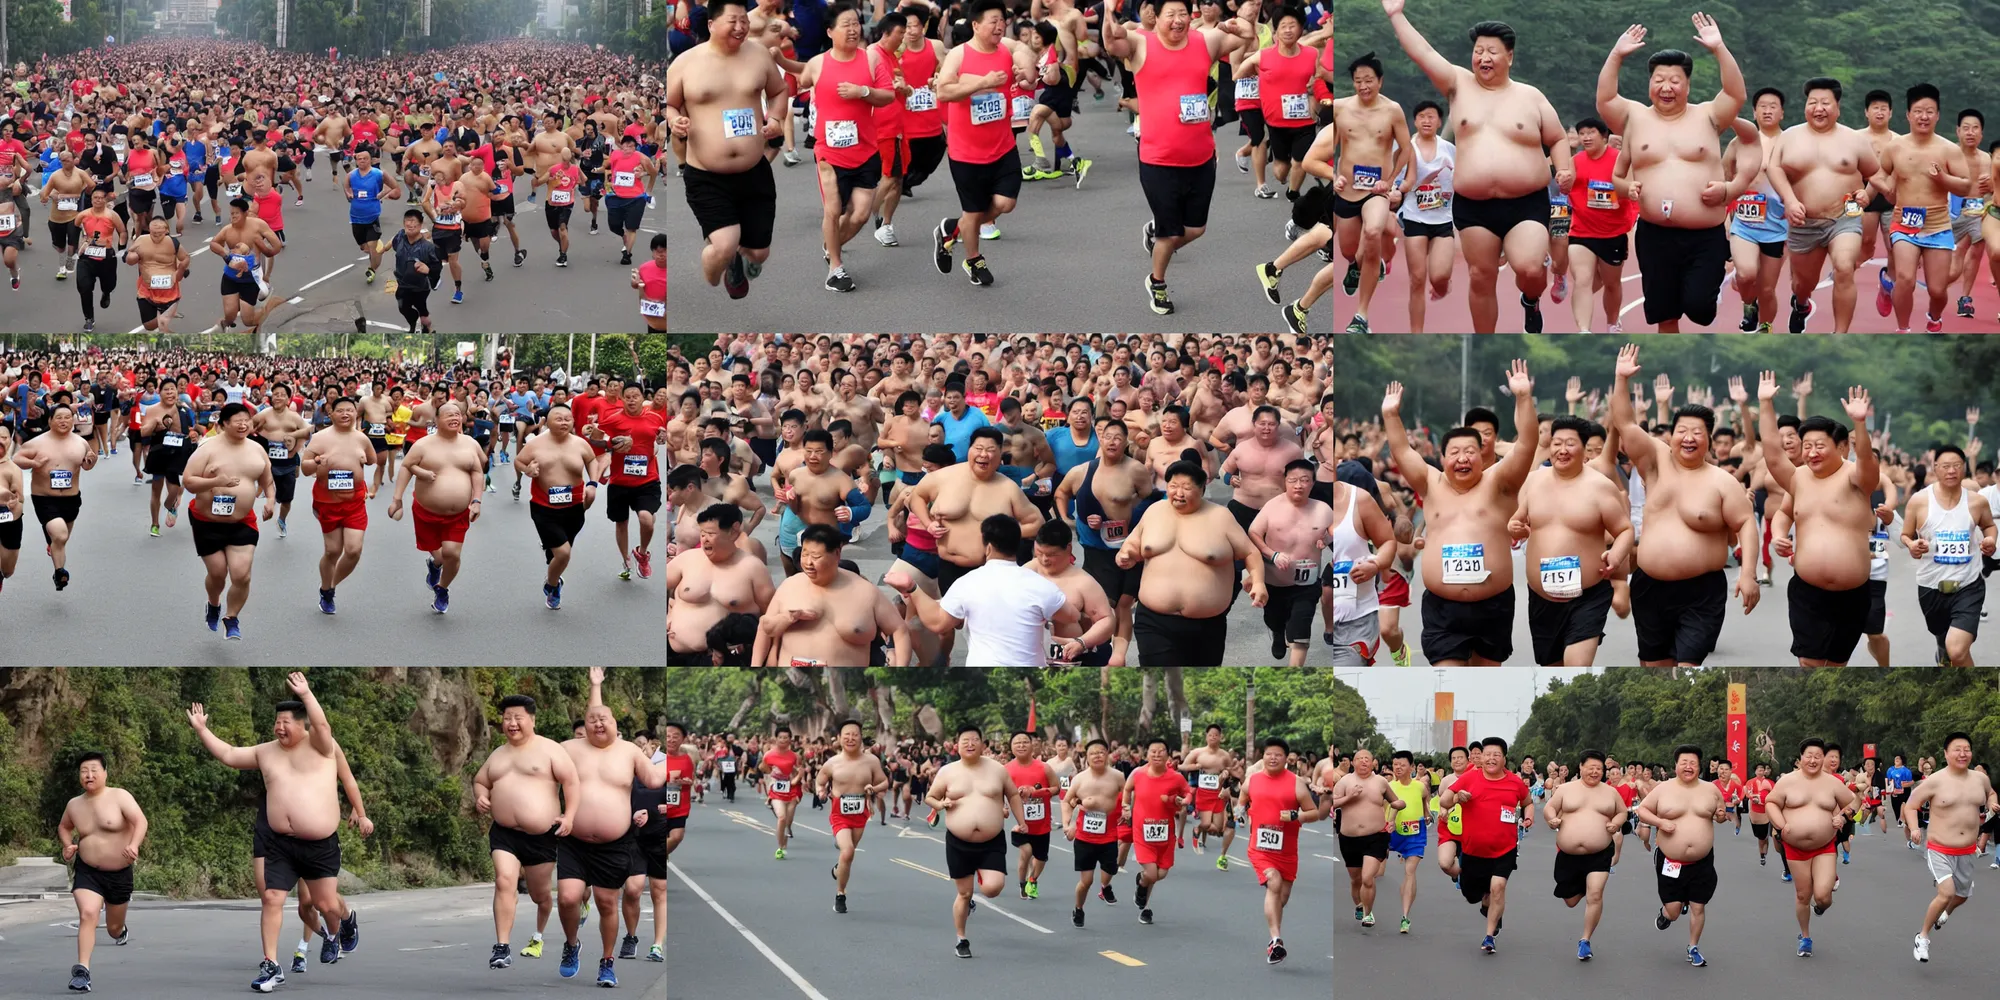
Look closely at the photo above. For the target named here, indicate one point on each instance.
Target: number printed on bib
(61, 479)
(921, 99)
(6, 514)
(1507, 815)
(1302, 573)
(160, 281)
(1034, 810)
(1194, 108)
(1153, 832)
(842, 135)
(1562, 576)
(1878, 545)
(1341, 580)
(1367, 178)
(729, 766)
(1602, 196)
(1208, 782)
(1910, 219)
(222, 504)
(1431, 197)
(96, 253)
(1670, 869)
(1247, 89)
(1292, 107)
(7, 223)
(561, 196)
(624, 178)
(376, 430)
(1464, 563)
(636, 465)
(562, 496)
(144, 182)
(69, 204)
(1096, 823)
(988, 106)
(339, 481)
(655, 308)
(853, 805)
(1751, 208)
(1114, 531)
(1023, 106)
(781, 786)
(673, 796)
(1270, 838)
(172, 440)
(278, 451)
(739, 122)
(1952, 548)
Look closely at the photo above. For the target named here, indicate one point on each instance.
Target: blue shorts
(1410, 845)
(1940, 240)
(790, 526)
(922, 561)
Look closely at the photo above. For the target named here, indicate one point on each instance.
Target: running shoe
(1401, 656)
(519, 257)
(1965, 306)
(1661, 920)
(1561, 289)
(941, 242)
(977, 272)
(1111, 898)
(369, 277)
(1368, 920)
(1266, 191)
(645, 561)
(232, 629)
(1531, 315)
(838, 281)
(1942, 917)
(156, 531)
(269, 977)
(549, 597)
(886, 235)
(1805, 946)
(1146, 236)
(570, 962)
(1082, 170)
(1295, 317)
(1583, 950)
(533, 949)
(1274, 952)
(298, 963)
(350, 932)
(281, 527)
(1156, 297)
(840, 902)
(79, 978)
(963, 948)
(1749, 323)
(607, 975)
(1268, 275)
(562, 259)
(458, 297)
(628, 947)
(1933, 324)
(213, 615)
(1404, 927)
(1076, 916)
(1883, 288)
(1359, 324)
(1146, 917)
(61, 577)
(432, 572)
(1486, 944)
(1352, 281)
(1034, 890)
(500, 959)
(1695, 959)
(329, 949)
(442, 603)
(989, 231)
(1243, 163)
(779, 855)
(655, 954)
(736, 278)
(1222, 863)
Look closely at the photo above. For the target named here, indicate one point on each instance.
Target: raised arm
(322, 730)
(1639, 446)
(1777, 464)
(240, 758)
(1442, 74)
(1513, 470)
(1412, 465)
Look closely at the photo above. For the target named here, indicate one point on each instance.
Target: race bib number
(1558, 211)
(842, 135)
(673, 797)
(1270, 838)
(222, 503)
(1507, 816)
(1464, 563)
(635, 465)
(1341, 580)
(1023, 105)
(1670, 869)
(1114, 531)
(1194, 108)
(7, 223)
(624, 178)
(65, 204)
(61, 479)
(363, 194)
(1852, 209)
(800, 661)
(96, 253)
(1602, 196)
(729, 767)
(781, 786)
(853, 805)
(1034, 810)
(921, 99)
(160, 281)
(1096, 823)
(1064, 780)
(1208, 782)
(1910, 219)
(143, 182)
(1367, 178)
(1878, 545)
(739, 122)
(1154, 832)
(1952, 548)
(1292, 107)
(1751, 209)
(1562, 576)
(1431, 197)
(561, 196)
(376, 430)
(232, 191)
(655, 308)
(278, 451)
(1973, 206)
(448, 219)
(1302, 573)
(172, 440)
(988, 106)
(562, 496)
(1247, 89)
(1057, 655)
(340, 481)
(6, 514)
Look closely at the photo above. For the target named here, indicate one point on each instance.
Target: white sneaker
(1922, 951)
(886, 235)
(989, 231)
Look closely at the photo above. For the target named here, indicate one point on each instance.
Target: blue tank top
(367, 204)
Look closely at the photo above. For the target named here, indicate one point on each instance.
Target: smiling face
(1689, 439)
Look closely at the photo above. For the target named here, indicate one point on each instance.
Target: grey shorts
(1957, 867)
(1354, 641)
(1966, 228)
(1818, 234)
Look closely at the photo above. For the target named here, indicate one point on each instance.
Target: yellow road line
(921, 868)
(1122, 959)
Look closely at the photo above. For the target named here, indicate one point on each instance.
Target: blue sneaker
(432, 571)
(329, 949)
(1583, 950)
(1845, 857)
(269, 977)
(1788, 876)
(607, 976)
(1805, 946)
(213, 616)
(552, 597)
(281, 527)
(350, 932)
(232, 629)
(1486, 944)
(458, 297)
(325, 601)
(443, 601)
(79, 979)
(567, 969)
(1695, 959)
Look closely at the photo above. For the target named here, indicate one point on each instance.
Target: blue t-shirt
(1068, 453)
(809, 18)
(1899, 779)
(958, 430)
(526, 404)
(367, 204)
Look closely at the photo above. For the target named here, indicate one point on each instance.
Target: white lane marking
(434, 947)
(389, 326)
(295, 300)
(1329, 857)
(750, 936)
(987, 905)
(324, 277)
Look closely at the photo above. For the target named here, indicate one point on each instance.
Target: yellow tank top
(1409, 817)
(1454, 816)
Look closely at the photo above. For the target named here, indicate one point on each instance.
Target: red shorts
(1395, 592)
(1160, 853)
(838, 822)
(1795, 854)
(1286, 864)
(346, 514)
(791, 796)
(1124, 833)
(895, 152)
(1207, 801)
(433, 530)
(1446, 836)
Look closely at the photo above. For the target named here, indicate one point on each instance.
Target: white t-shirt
(1004, 607)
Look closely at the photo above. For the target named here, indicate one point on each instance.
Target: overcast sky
(1494, 701)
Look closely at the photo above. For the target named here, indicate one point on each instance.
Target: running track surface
(1861, 947)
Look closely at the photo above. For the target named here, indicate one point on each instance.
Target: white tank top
(1347, 548)
(1954, 554)
(1635, 492)
(1430, 201)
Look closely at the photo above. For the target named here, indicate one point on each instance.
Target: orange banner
(1737, 697)
(1738, 724)
(1445, 707)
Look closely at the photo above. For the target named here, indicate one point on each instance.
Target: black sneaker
(625, 258)
(1359, 324)
(269, 977)
(629, 947)
(1275, 953)
(1268, 276)
(1326, 256)
(350, 931)
(1146, 917)
(1295, 317)
(329, 949)
(941, 245)
(977, 272)
(1800, 313)
(1531, 315)
(502, 958)
(1156, 297)
(840, 902)
(519, 256)
(736, 280)
(1662, 921)
(79, 979)
(838, 281)
(1104, 893)
(1353, 280)
(1076, 916)
(1146, 236)
(488, 268)
(963, 949)
(562, 259)
(1749, 324)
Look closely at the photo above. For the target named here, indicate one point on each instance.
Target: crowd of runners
(881, 101)
(121, 149)
(592, 823)
(1481, 809)
(219, 433)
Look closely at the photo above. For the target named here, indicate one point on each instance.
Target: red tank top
(1147, 788)
(1034, 805)
(888, 117)
(1285, 83)
(980, 131)
(922, 118)
(843, 127)
(1173, 103)
(685, 765)
(1269, 796)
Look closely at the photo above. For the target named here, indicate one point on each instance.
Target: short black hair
(1811, 742)
(1671, 57)
(1495, 741)
(1590, 755)
(1922, 91)
(1698, 412)
(1822, 424)
(1192, 470)
(723, 515)
(1685, 749)
(1570, 423)
(295, 707)
(1492, 29)
(97, 755)
(1366, 60)
(782, 731)
(965, 728)
(1002, 532)
(1953, 737)
(1826, 83)
(826, 535)
(1481, 415)
(520, 701)
(1772, 91)
(1054, 533)
(986, 433)
(1593, 123)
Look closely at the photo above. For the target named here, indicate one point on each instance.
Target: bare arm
(1442, 74)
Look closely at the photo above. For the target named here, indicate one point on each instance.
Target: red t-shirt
(1032, 778)
(625, 166)
(783, 766)
(1759, 791)
(1146, 791)
(641, 464)
(270, 207)
(1596, 211)
(1731, 790)
(1627, 793)
(685, 765)
(1488, 820)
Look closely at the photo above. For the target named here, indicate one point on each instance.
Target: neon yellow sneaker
(534, 948)
(780, 855)
(1035, 144)
(1034, 890)
(1222, 863)
(1401, 655)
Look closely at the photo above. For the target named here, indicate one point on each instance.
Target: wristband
(592, 483)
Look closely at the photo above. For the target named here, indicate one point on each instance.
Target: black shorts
(1678, 620)
(481, 230)
(64, 509)
(602, 866)
(150, 310)
(115, 885)
(1347, 208)
(1775, 251)
(557, 526)
(1060, 96)
(1426, 230)
(381, 445)
(448, 241)
(1573, 871)
(1242, 512)
(1458, 630)
(1178, 196)
(1175, 639)
(1826, 624)
(620, 501)
(366, 234)
(1693, 884)
(211, 537)
(748, 200)
(1289, 611)
(1499, 216)
(625, 214)
(247, 291)
(10, 535)
(503, 209)
(1100, 856)
(1038, 843)
(530, 849)
(948, 573)
(1289, 144)
(652, 851)
(848, 180)
(287, 859)
(1354, 849)
(1680, 271)
(926, 152)
(140, 200)
(557, 215)
(1253, 124)
(979, 183)
(1942, 612)
(1878, 608)
(1612, 250)
(966, 859)
(285, 483)
(1762, 831)
(1102, 565)
(1879, 204)
(1476, 874)
(1554, 626)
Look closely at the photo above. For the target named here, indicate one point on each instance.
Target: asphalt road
(320, 276)
(134, 600)
(1067, 258)
(1861, 947)
(1761, 639)
(1207, 939)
